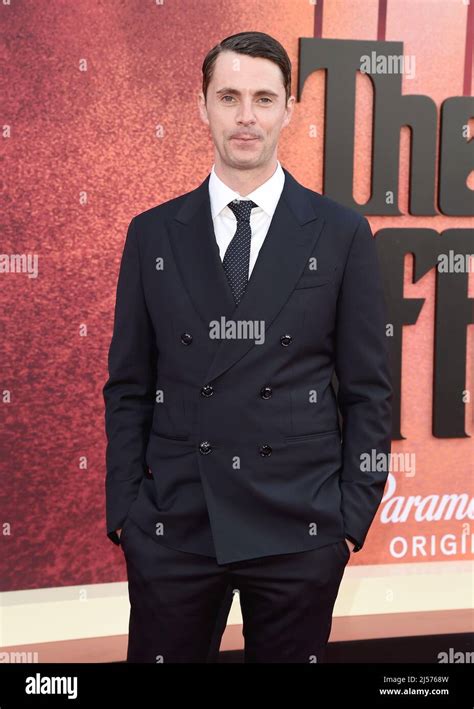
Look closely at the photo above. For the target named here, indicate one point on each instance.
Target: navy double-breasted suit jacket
(237, 431)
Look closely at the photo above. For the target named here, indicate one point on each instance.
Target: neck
(244, 181)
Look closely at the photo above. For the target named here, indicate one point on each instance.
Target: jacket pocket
(312, 281)
(310, 436)
(169, 437)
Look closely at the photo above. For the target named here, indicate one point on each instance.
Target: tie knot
(242, 208)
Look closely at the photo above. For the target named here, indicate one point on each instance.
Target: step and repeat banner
(100, 122)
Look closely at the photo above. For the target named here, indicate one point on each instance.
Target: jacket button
(285, 340)
(266, 392)
(265, 450)
(207, 390)
(205, 447)
(186, 338)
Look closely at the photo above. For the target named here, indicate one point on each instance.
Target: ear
(202, 108)
(289, 111)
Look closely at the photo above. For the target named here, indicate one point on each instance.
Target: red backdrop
(100, 123)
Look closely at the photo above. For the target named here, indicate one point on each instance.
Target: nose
(245, 115)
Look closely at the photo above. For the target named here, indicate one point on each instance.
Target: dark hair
(255, 44)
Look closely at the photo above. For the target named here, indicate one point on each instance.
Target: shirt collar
(265, 196)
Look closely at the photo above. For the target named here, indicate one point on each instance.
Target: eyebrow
(267, 92)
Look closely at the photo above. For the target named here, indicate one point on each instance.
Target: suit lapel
(291, 237)
(197, 256)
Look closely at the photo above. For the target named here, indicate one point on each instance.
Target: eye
(227, 96)
(265, 98)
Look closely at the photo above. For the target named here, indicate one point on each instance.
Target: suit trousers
(177, 600)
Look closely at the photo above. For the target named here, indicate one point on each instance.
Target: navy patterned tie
(237, 256)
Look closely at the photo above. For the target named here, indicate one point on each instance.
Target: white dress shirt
(225, 222)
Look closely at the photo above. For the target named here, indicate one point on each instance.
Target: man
(227, 465)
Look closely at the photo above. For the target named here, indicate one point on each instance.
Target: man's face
(246, 109)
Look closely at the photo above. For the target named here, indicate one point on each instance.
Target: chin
(240, 159)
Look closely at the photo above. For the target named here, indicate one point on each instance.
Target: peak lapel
(197, 256)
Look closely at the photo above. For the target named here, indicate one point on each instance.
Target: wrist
(350, 544)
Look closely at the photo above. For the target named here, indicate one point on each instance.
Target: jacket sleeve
(365, 385)
(129, 391)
